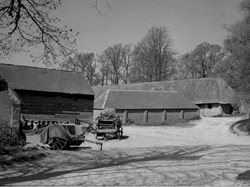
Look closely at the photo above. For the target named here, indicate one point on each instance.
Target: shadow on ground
(84, 159)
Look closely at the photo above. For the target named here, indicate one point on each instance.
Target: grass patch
(10, 155)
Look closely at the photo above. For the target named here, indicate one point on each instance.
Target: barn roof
(139, 99)
(204, 90)
(5, 87)
(46, 80)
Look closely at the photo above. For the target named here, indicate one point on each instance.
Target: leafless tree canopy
(238, 46)
(116, 63)
(27, 23)
(84, 63)
(154, 56)
(202, 61)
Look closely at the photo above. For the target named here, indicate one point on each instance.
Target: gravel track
(207, 154)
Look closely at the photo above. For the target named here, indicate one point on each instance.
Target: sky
(189, 22)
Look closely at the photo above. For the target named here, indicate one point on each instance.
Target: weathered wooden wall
(44, 103)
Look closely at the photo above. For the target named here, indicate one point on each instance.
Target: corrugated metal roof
(204, 90)
(47, 80)
(134, 99)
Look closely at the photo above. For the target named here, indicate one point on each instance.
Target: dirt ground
(207, 154)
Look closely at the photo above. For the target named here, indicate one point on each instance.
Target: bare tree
(202, 60)
(238, 45)
(154, 56)
(25, 24)
(126, 64)
(104, 70)
(115, 57)
(84, 63)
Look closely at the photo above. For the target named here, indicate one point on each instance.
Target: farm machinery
(61, 136)
(58, 135)
(108, 126)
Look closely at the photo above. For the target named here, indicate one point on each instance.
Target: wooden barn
(49, 94)
(147, 106)
(213, 96)
(10, 103)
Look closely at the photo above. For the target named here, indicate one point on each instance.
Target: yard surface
(207, 154)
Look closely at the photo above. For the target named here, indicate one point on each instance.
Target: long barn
(213, 96)
(147, 106)
(49, 94)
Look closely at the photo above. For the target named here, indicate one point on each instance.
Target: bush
(10, 137)
(244, 125)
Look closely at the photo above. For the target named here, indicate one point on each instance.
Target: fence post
(125, 117)
(164, 114)
(182, 114)
(145, 116)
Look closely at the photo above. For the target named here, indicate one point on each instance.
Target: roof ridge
(180, 80)
(100, 96)
(44, 79)
(105, 99)
(111, 90)
(33, 67)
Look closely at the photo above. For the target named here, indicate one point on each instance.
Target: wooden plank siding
(35, 102)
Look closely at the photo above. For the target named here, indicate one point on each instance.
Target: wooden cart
(61, 136)
(109, 127)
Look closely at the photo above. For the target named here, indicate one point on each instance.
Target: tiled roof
(204, 90)
(134, 99)
(46, 80)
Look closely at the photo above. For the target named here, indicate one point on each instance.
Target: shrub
(244, 125)
(10, 137)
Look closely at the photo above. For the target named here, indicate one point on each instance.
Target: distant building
(213, 95)
(147, 106)
(50, 94)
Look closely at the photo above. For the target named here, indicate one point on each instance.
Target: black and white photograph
(125, 93)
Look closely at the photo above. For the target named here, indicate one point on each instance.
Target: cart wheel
(58, 143)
